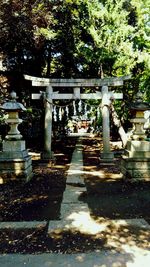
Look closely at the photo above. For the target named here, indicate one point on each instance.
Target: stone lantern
(13, 108)
(15, 163)
(135, 163)
(138, 108)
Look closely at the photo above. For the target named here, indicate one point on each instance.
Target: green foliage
(78, 38)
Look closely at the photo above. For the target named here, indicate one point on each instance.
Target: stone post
(106, 155)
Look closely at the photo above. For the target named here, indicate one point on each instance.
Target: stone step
(22, 224)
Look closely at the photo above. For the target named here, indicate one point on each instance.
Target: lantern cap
(12, 104)
(139, 104)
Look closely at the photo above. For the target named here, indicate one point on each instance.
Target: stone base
(48, 156)
(13, 145)
(138, 149)
(107, 157)
(17, 170)
(135, 169)
(15, 163)
(135, 163)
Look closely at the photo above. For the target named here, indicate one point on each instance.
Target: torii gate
(105, 95)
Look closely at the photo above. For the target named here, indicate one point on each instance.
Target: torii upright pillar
(106, 155)
(47, 153)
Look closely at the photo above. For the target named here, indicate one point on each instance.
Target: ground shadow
(40, 198)
(38, 240)
(118, 200)
(108, 194)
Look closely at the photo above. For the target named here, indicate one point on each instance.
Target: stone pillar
(106, 155)
(47, 154)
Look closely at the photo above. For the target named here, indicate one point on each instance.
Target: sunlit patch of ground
(123, 236)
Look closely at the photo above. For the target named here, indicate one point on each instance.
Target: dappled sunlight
(119, 234)
(59, 154)
(84, 223)
(102, 174)
(88, 170)
(60, 167)
(130, 233)
(91, 168)
(74, 171)
(140, 256)
(107, 238)
(35, 155)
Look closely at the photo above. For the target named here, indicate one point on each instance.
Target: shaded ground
(40, 198)
(107, 196)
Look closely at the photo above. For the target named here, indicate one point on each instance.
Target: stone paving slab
(74, 174)
(134, 258)
(22, 224)
(73, 193)
(68, 221)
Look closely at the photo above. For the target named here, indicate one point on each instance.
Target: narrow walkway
(72, 209)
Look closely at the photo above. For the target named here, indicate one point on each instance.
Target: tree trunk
(117, 123)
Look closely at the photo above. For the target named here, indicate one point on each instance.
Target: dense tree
(78, 38)
(16, 34)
